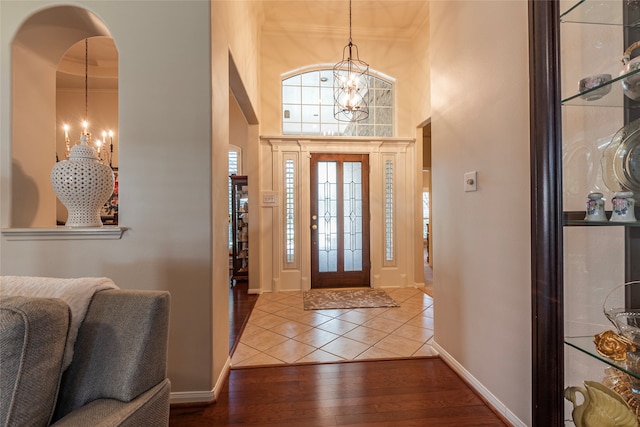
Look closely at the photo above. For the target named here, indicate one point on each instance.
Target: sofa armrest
(150, 409)
(33, 333)
(120, 351)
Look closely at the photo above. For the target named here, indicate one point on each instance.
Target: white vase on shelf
(595, 208)
(623, 207)
(83, 185)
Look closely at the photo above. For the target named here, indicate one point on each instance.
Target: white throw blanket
(77, 293)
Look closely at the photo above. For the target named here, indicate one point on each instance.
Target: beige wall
(238, 130)
(174, 135)
(281, 54)
(480, 121)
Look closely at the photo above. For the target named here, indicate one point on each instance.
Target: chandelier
(85, 135)
(350, 84)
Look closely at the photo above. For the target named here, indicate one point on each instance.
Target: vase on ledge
(83, 185)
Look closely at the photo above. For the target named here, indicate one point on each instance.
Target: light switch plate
(471, 181)
(269, 198)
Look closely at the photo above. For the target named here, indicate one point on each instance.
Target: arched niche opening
(44, 72)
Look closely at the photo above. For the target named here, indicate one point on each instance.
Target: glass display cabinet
(585, 156)
(239, 228)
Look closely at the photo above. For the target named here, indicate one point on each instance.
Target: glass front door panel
(352, 184)
(328, 218)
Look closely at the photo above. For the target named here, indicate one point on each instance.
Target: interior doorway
(339, 202)
(427, 222)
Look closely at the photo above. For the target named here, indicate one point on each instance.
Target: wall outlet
(471, 181)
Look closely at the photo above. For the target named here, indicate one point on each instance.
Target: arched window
(307, 105)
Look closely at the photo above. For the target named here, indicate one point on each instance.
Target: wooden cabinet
(239, 228)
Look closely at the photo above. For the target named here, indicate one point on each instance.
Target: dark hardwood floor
(392, 393)
(240, 306)
(408, 392)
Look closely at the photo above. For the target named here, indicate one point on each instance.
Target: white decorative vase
(623, 207)
(595, 208)
(83, 185)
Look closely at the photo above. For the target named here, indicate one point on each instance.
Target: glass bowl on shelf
(622, 308)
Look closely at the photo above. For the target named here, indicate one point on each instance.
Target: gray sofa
(117, 376)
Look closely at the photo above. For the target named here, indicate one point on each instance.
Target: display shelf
(595, 12)
(590, 50)
(576, 219)
(240, 228)
(615, 98)
(586, 345)
(64, 233)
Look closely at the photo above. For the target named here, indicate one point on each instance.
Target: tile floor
(279, 331)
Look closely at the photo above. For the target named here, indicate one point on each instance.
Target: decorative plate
(621, 160)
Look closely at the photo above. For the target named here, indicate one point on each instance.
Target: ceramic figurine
(602, 407)
(595, 208)
(623, 207)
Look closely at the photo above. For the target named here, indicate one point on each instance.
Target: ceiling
(372, 19)
(102, 65)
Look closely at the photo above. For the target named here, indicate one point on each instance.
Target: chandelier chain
(86, 79)
(350, 39)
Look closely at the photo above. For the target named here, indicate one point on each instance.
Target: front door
(339, 220)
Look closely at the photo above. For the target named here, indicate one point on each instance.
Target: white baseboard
(203, 396)
(191, 397)
(492, 400)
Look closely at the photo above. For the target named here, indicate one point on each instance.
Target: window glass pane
(326, 98)
(383, 98)
(233, 170)
(311, 78)
(346, 128)
(315, 88)
(289, 191)
(330, 129)
(384, 131)
(291, 113)
(310, 129)
(382, 115)
(326, 117)
(365, 130)
(292, 128)
(425, 214)
(291, 94)
(311, 113)
(326, 78)
(311, 95)
(388, 218)
(293, 80)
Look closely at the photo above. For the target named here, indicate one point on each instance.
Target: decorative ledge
(64, 233)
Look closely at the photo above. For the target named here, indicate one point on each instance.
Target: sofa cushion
(33, 333)
(121, 349)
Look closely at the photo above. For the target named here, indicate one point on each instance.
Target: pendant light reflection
(350, 84)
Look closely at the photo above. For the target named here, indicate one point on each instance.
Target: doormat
(347, 298)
